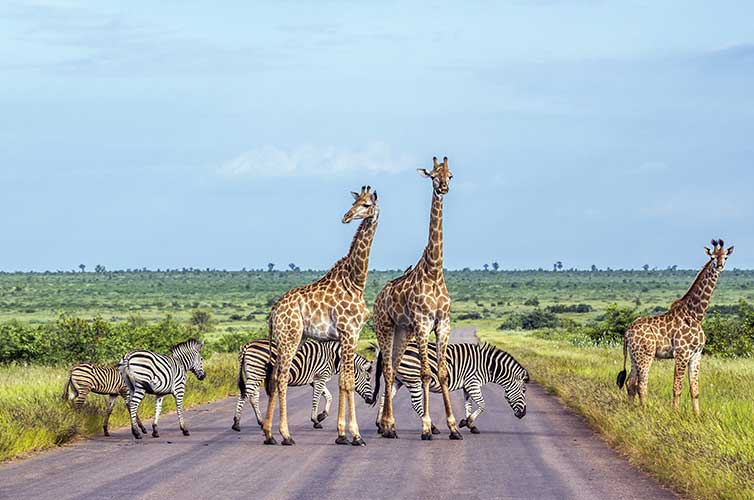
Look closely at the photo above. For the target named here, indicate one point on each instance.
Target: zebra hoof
(357, 441)
(186, 432)
(456, 436)
(136, 434)
(389, 435)
(317, 425)
(322, 416)
(341, 440)
(107, 434)
(236, 427)
(155, 434)
(462, 423)
(143, 430)
(427, 436)
(474, 429)
(270, 440)
(435, 430)
(288, 441)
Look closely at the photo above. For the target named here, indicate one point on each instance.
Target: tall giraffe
(411, 307)
(676, 334)
(332, 308)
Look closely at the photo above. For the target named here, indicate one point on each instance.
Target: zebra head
(504, 370)
(363, 377)
(189, 353)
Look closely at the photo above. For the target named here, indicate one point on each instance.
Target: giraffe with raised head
(676, 334)
(332, 308)
(413, 306)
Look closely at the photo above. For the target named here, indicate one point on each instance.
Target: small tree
(82, 267)
(557, 266)
(486, 267)
(645, 267)
(270, 266)
(202, 320)
(495, 266)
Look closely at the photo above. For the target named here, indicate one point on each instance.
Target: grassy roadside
(33, 416)
(707, 457)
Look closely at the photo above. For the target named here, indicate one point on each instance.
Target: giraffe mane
(700, 275)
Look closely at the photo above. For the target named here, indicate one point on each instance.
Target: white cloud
(314, 161)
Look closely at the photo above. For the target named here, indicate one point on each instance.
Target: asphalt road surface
(549, 454)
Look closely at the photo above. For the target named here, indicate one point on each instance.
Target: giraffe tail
(377, 377)
(621, 379)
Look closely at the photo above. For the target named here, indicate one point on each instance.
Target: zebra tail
(621, 379)
(268, 367)
(241, 378)
(377, 377)
(66, 387)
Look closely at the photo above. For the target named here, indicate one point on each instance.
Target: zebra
(152, 373)
(470, 366)
(315, 363)
(84, 378)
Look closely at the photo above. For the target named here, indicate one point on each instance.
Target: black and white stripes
(146, 372)
(315, 363)
(470, 366)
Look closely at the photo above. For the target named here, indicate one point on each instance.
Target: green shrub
(609, 327)
(532, 320)
(731, 335)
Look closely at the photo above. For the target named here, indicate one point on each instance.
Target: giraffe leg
(400, 341)
(443, 336)
(378, 422)
(288, 339)
(695, 362)
(422, 340)
(632, 384)
(681, 363)
(645, 363)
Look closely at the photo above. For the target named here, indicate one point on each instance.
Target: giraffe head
(718, 255)
(364, 205)
(440, 176)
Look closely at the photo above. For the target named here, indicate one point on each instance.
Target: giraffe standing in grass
(676, 334)
(413, 306)
(332, 308)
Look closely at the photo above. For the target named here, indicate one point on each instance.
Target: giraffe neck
(698, 297)
(433, 253)
(358, 255)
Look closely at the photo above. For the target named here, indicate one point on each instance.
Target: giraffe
(411, 307)
(676, 334)
(332, 308)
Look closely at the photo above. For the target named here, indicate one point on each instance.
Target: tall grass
(34, 417)
(711, 456)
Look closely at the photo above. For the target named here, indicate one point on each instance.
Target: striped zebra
(146, 372)
(84, 378)
(470, 366)
(315, 363)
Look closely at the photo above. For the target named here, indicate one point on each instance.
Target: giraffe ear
(374, 196)
(355, 195)
(730, 250)
(708, 251)
(423, 172)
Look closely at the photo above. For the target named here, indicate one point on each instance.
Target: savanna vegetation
(565, 326)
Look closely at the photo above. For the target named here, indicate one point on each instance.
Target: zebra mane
(492, 349)
(192, 344)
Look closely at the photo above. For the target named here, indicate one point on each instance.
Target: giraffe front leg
(694, 364)
(346, 396)
(681, 363)
(422, 340)
(443, 336)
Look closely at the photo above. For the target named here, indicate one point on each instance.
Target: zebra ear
(526, 377)
(201, 345)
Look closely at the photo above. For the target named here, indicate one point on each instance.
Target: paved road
(549, 454)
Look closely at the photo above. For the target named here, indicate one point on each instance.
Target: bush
(532, 320)
(534, 301)
(231, 342)
(471, 315)
(202, 320)
(610, 326)
(731, 335)
(571, 308)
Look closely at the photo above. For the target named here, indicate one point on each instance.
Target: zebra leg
(81, 395)
(254, 402)
(239, 408)
(134, 400)
(157, 410)
(317, 387)
(124, 395)
(108, 411)
(442, 332)
(467, 407)
(476, 394)
(328, 403)
(179, 409)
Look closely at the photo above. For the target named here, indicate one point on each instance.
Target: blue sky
(607, 133)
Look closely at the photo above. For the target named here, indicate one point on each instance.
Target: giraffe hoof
(186, 432)
(357, 441)
(236, 427)
(155, 434)
(435, 430)
(456, 436)
(288, 441)
(270, 440)
(317, 425)
(427, 436)
(462, 423)
(322, 416)
(474, 429)
(390, 435)
(341, 440)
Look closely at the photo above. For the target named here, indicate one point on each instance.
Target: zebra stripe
(470, 366)
(146, 372)
(84, 378)
(315, 363)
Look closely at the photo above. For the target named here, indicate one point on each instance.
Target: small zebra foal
(146, 372)
(470, 366)
(84, 378)
(315, 363)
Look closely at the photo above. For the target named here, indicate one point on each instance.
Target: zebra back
(312, 359)
(100, 379)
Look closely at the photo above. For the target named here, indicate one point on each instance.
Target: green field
(565, 356)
